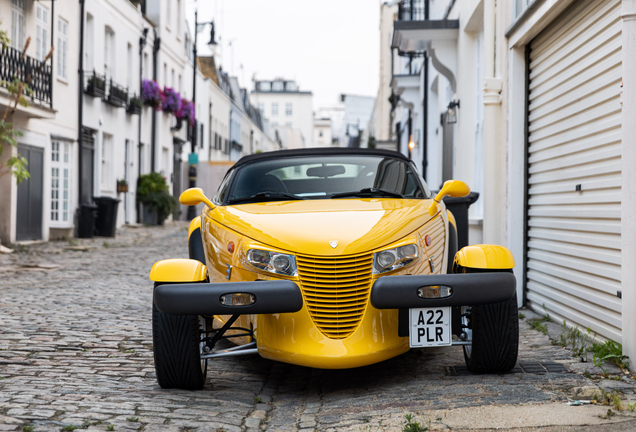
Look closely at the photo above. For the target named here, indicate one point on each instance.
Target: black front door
(87, 165)
(31, 196)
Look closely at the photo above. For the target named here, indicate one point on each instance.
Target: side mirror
(194, 196)
(454, 188)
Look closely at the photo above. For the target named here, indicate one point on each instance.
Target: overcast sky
(329, 46)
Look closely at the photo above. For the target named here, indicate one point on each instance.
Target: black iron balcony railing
(413, 10)
(95, 85)
(117, 95)
(28, 70)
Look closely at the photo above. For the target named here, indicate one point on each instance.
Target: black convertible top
(317, 151)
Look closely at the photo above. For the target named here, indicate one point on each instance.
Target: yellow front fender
(485, 257)
(179, 270)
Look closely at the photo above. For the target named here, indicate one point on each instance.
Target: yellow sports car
(329, 258)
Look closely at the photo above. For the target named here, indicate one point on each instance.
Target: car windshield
(324, 177)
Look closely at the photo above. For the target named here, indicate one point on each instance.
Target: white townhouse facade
(539, 94)
(118, 41)
(84, 131)
(287, 107)
(42, 207)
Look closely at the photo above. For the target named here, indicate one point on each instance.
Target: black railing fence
(117, 94)
(413, 10)
(95, 84)
(28, 70)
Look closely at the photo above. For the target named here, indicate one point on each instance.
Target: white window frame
(62, 49)
(42, 40)
(289, 109)
(275, 109)
(61, 215)
(17, 24)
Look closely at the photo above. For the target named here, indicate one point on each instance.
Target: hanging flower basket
(186, 112)
(172, 100)
(152, 95)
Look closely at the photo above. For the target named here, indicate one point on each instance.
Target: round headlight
(408, 250)
(386, 259)
(282, 264)
(256, 256)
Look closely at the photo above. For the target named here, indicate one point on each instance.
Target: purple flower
(172, 101)
(186, 112)
(152, 95)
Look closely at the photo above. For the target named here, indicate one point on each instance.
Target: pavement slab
(76, 348)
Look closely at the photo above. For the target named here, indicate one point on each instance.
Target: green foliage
(258, 399)
(412, 426)
(539, 323)
(132, 419)
(573, 338)
(28, 428)
(70, 428)
(609, 351)
(153, 191)
(521, 315)
(17, 165)
(110, 428)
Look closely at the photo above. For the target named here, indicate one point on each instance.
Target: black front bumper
(401, 292)
(276, 296)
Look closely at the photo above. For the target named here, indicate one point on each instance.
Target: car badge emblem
(333, 243)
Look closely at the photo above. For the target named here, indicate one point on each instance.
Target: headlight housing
(395, 258)
(272, 262)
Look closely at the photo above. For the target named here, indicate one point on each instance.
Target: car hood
(307, 227)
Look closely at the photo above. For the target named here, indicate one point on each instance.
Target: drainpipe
(425, 119)
(153, 136)
(494, 154)
(80, 103)
(628, 206)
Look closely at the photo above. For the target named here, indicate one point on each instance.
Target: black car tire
(176, 340)
(495, 334)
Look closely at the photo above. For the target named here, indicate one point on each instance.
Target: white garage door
(574, 163)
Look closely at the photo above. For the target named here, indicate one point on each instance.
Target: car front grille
(336, 290)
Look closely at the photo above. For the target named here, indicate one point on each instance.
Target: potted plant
(134, 105)
(152, 95)
(122, 186)
(154, 194)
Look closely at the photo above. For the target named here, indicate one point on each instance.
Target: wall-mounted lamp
(453, 106)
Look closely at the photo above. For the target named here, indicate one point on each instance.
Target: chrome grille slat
(336, 291)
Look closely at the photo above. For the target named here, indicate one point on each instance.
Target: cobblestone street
(76, 352)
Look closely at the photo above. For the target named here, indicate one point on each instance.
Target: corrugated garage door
(574, 163)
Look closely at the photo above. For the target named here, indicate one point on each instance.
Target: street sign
(193, 158)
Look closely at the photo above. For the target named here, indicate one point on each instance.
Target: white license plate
(430, 327)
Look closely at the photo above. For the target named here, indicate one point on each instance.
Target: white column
(628, 205)
(494, 154)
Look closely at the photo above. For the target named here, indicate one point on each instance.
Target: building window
(17, 24)
(520, 6)
(129, 69)
(288, 124)
(109, 53)
(90, 43)
(264, 86)
(278, 86)
(261, 107)
(42, 32)
(62, 48)
(288, 109)
(107, 158)
(61, 166)
(275, 109)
